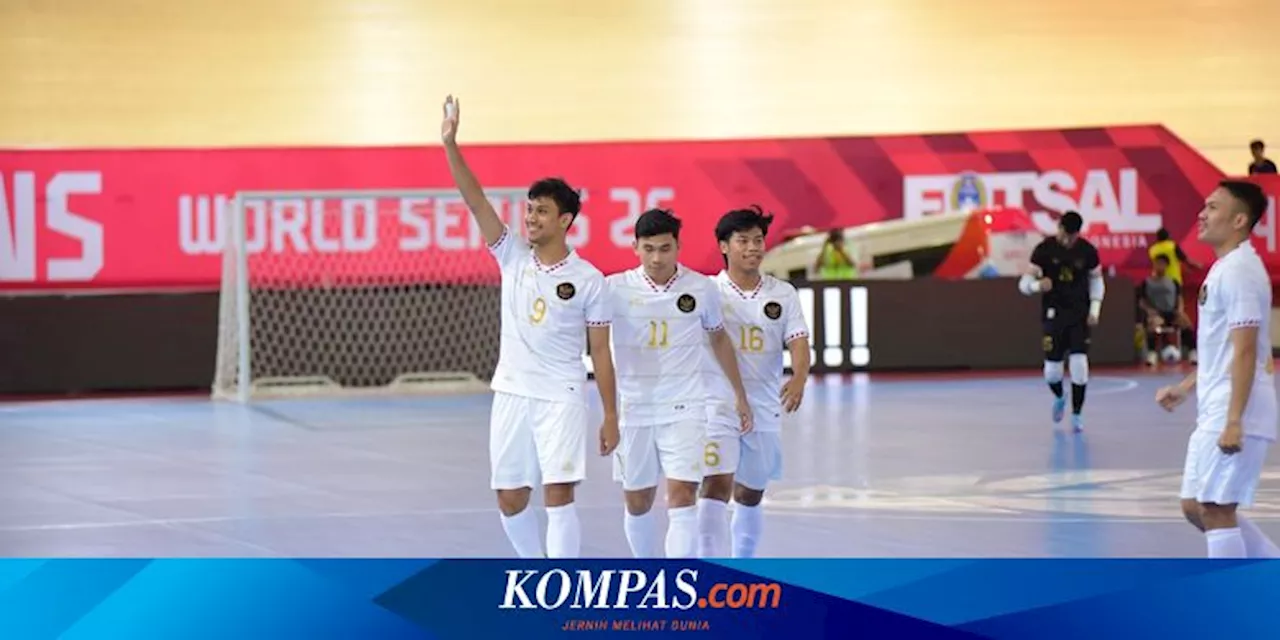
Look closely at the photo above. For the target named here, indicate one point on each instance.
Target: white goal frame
(232, 381)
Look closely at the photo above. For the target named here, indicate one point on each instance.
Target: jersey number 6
(711, 454)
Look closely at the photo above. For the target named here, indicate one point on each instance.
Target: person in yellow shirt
(833, 261)
(1167, 248)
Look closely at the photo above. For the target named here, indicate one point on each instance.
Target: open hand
(449, 125)
(609, 435)
(792, 394)
(744, 415)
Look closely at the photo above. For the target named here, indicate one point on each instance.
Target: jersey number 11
(657, 334)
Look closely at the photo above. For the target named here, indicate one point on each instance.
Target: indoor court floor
(876, 466)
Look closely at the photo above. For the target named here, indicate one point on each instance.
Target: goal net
(362, 292)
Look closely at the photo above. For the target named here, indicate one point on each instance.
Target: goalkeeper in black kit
(1066, 271)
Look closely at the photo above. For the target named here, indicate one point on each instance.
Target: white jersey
(1236, 293)
(659, 344)
(761, 323)
(546, 310)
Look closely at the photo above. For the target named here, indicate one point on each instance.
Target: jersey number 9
(539, 311)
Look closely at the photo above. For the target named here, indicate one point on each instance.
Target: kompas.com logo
(631, 589)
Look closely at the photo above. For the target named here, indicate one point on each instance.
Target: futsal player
(662, 313)
(1234, 380)
(553, 302)
(1066, 271)
(762, 314)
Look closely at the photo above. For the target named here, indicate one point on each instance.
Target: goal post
(355, 292)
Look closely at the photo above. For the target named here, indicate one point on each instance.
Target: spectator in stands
(1165, 247)
(833, 261)
(1160, 298)
(1260, 162)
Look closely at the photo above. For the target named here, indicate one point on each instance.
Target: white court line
(1126, 385)
(794, 513)
(300, 516)
(1029, 519)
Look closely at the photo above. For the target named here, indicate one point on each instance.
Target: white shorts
(754, 459)
(673, 450)
(1210, 476)
(536, 442)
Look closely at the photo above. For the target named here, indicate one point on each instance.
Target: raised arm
(1177, 251)
(491, 226)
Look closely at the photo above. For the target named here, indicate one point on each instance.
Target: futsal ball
(1171, 354)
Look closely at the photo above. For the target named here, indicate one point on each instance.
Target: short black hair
(1250, 195)
(1257, 145)
(742, 220)
(565, 197)
(1162, 234)
(656, 222)
(1071, 222)
(1161, 258)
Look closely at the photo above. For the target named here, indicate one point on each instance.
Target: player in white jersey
(762, 314)
(1234, 380)
(662, 314)
(553, 302)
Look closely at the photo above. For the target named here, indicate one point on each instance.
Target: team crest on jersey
(565, 290)
(1204, 293)
(773, 310)
(686, 303)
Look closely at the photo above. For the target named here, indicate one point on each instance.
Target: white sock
(747, 523)
(1256, 543)
(564, 532)
(682, 532)
(1225, 543)
(522, 531)
(642, 532)
(713, 528)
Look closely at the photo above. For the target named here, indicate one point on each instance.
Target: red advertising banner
(124, 219)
